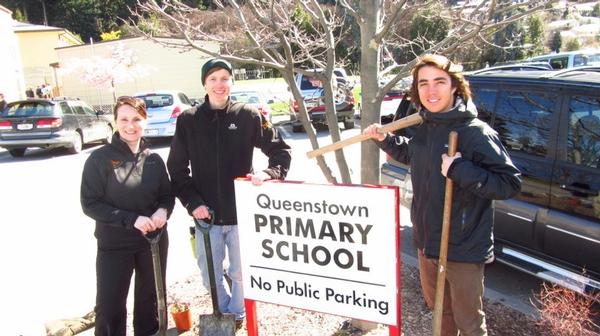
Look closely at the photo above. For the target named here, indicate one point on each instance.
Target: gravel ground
(416, 319)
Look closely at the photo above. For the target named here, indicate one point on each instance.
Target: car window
(523, 121)
(310, 83)
(184, 99)
(78, 109)
(89, 111)
(559, 62)
(583, 144)
(158, 100)
(245, 97)
(485, 100)
(64, 107)
(29, 109)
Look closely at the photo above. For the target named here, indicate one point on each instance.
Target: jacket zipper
(219, 165)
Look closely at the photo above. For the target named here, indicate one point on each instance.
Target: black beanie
(215, 63)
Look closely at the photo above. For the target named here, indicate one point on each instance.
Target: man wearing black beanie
(212, 146)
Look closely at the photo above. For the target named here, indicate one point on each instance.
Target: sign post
(327, 248)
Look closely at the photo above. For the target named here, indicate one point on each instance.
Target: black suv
(549, 122)
(56, 122)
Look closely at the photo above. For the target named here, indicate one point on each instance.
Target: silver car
(163, 109)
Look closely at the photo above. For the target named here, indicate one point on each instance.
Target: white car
(255, 99)
(163, 109)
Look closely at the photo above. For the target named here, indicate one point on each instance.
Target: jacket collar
(122, 146)
(460, 112)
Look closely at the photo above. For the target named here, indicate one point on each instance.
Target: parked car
(163, 109)
(550, 124)
(389, 105)
(255, 99)
(56, 122)
(570, 59)
(313, 95)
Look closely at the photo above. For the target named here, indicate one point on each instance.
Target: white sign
(324, 248)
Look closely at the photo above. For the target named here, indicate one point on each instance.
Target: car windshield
(29, 109)
(246, 97)
(157, 100)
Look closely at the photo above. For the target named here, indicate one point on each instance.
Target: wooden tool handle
(441, 275)
(411, 120)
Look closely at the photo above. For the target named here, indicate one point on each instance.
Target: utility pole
(44, 10)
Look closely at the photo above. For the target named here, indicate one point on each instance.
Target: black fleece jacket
(484, 173)
(218, 146)
(118, 186)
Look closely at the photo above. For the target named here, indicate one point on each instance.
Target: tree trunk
(369, 73)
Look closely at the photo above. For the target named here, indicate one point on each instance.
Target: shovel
(441, 275)
(217, 323)
(153, 239)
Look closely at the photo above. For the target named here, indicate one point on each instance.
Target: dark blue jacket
(484, 173)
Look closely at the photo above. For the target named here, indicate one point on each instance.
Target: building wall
(38, 52)
(168, 69)
(11, 82)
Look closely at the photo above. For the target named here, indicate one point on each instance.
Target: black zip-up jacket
(218, 145)
(484, 172)
(117, 186)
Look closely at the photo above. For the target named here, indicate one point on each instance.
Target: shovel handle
(153, 237)
(203, 225)
(441, 275)
(205, 228)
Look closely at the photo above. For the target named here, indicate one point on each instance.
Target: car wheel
(17, 152)
(109, 133)
(77, 144)
(348, 124)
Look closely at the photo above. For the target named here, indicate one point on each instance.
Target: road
(48, 250)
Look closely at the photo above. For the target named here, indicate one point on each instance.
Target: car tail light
(49, 123)
(295, 106)
(5, 125)
(176, 112)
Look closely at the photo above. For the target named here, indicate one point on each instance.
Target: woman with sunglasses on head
(125, 188)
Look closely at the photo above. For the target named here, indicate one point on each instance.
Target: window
(559, 62)
(89, 111)
(78, 109)
(310, 83)
(583, 143)
(523, 120)
(485, 100)
(65, 108)
(184, 99)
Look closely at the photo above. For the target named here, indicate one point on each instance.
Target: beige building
(12, 84)
(38, 45)
(101, 71)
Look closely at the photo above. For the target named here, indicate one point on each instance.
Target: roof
(24, 27)
(28, 27)
(575, 76)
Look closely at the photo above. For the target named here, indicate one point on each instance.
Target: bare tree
(273, 37)
(377, 33)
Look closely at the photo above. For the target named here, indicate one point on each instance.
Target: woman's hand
(373, 132)
(144, 224)
(159, 218)
(258, 178)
